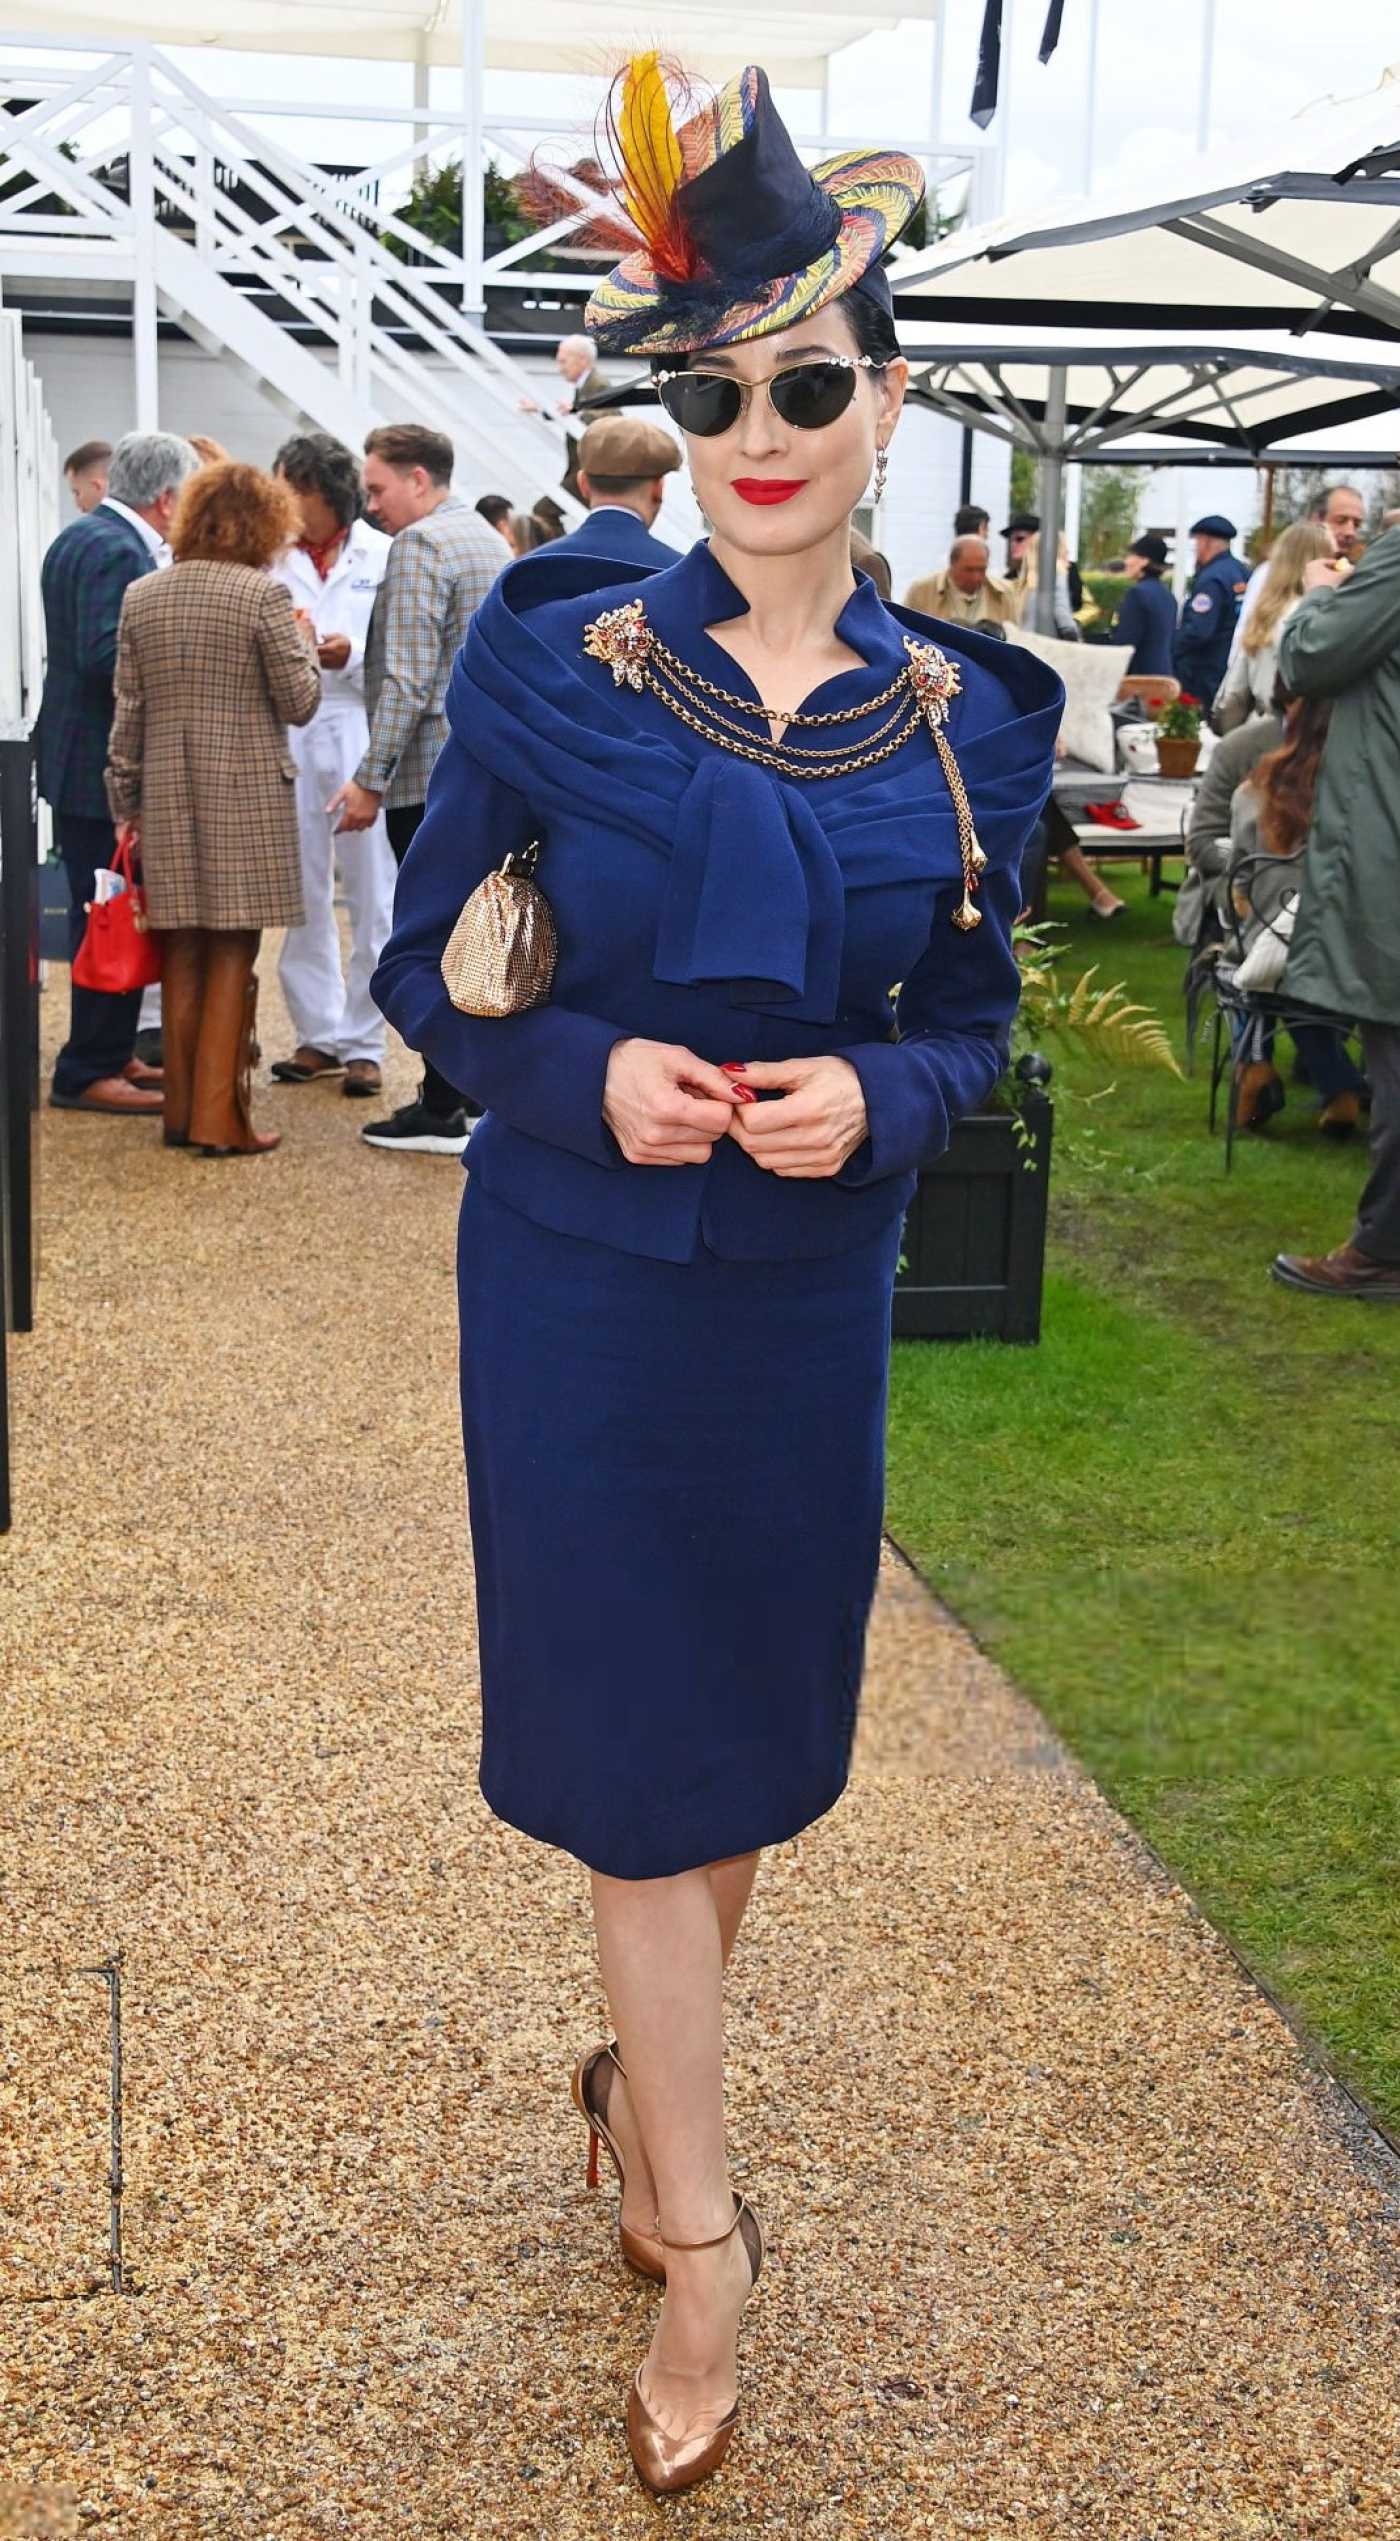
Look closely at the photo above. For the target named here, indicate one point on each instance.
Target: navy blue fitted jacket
(86, 575)
(701, 900)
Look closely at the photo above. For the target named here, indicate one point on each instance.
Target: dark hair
(528, 531)
(88, 454)
(869, 560)
(1317, 509)
(547, 512)
(316, 463)
(1286, 779)
(618, 484)
(411, 445)
(867, 315)
(970, 520)
(495, 508)
(870, 318)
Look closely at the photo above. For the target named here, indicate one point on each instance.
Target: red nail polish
(733, 1067)
(746, 1093)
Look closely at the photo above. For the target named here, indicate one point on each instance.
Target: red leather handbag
(119, 950)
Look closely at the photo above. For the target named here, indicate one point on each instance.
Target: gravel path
(1067, 2237)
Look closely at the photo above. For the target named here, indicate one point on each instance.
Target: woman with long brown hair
(1270, 818)
(212, 666)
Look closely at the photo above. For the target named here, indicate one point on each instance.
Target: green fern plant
(1100, 1020)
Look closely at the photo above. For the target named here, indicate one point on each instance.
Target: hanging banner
(988, 80)
(1054, 17)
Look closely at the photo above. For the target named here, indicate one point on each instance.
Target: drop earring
(882, 464)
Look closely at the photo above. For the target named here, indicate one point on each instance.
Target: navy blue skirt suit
(674, 1378)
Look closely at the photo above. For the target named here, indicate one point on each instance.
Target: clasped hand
(665, 1106)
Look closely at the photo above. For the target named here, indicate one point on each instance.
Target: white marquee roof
(714, 38)
(1206, 394)
(1304, 230)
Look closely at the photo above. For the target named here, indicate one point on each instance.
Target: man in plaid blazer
(444, 560)
(86, 575)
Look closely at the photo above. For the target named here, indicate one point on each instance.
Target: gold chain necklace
(682, 671)
(806, 756)
(929, 682)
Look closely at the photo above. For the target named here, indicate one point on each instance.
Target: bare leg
(659, 1949)
(1075, 863)
(731, 1884)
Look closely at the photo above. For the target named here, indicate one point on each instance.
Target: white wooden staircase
(368, 326)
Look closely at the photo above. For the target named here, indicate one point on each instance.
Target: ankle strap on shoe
(739, 2204)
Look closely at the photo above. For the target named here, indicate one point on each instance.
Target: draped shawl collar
(759, 867)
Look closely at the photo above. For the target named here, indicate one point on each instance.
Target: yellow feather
(650, 153)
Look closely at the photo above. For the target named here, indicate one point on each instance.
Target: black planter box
(974, 1239)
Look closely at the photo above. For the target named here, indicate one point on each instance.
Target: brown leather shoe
(1341, 1118)
(306, 1063)
(1344, 1272)
(362, 1076)
(110, 1094)
(1258, 1094)
(137, 1072)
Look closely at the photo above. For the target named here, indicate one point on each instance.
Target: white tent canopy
(1305, 231)
(1199, 396)
(791, 38)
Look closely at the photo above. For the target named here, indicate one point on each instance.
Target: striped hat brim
(877, 193)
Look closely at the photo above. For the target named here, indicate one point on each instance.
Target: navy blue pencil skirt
(675, 1474)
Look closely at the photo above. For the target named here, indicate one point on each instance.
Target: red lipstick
(768, 489)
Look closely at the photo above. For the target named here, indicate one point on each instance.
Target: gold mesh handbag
(501, 953)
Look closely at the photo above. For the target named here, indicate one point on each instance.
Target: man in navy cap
(1201, 653)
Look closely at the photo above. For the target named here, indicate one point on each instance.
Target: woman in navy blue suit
(762, 798)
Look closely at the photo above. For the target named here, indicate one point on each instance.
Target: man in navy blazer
(622, 464)
(86, 574)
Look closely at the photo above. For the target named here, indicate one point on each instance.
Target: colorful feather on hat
(642, 135)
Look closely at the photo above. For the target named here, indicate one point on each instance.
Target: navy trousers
(101, 1029)
(436, 1095)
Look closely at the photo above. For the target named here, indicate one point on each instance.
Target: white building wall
(924, 490)
(89, 390)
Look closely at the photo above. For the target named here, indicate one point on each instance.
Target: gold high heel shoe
(667, 2462)
(641, 2250)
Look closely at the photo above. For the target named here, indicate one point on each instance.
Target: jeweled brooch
(935, 680)
(620, 637)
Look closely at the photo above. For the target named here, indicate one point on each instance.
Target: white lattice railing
(111, 167)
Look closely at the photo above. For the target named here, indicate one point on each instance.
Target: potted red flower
(1179, 737)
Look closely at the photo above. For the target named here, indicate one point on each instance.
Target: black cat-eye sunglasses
(806, 395)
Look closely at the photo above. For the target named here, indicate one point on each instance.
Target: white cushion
(1093, 675)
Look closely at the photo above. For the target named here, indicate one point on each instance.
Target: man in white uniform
(333, 574)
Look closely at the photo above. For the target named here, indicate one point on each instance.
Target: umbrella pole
(1051, 490)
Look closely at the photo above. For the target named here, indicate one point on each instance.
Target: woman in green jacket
(1343, 642)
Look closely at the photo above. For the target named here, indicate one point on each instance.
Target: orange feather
(642, 133)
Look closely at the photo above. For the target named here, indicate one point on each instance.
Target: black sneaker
(424, 1133)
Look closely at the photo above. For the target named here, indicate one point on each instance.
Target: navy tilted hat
(736, 237)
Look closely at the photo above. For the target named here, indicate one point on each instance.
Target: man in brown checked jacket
(444, 560)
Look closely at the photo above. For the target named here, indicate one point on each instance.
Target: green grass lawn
(1177, 1521)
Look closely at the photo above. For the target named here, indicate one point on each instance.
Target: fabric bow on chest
(755, 894)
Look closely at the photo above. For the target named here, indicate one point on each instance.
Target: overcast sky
(1271, 59)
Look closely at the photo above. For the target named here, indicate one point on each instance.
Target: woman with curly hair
(212, 665)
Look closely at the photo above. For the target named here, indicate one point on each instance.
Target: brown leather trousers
(209, 1001)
